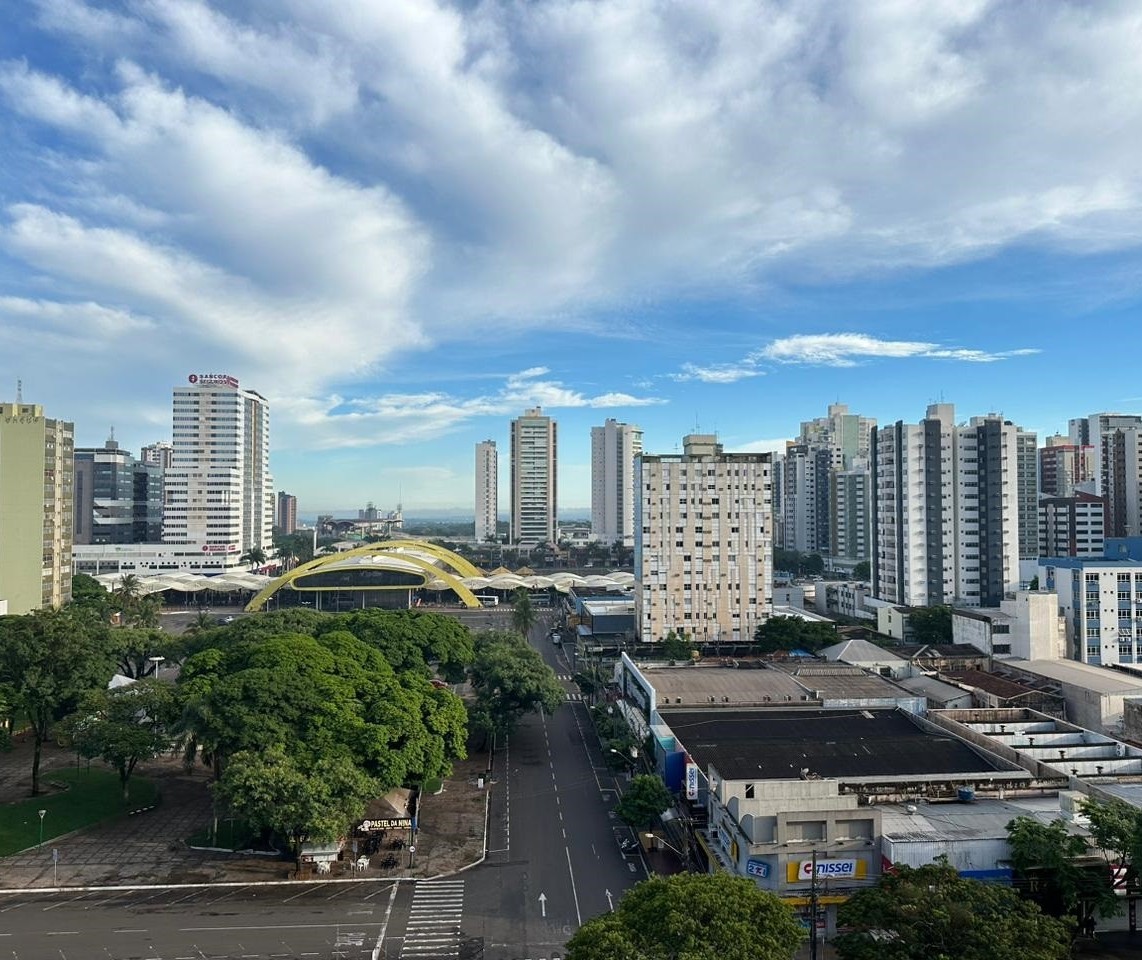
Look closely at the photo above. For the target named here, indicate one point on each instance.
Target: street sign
(55, 855)
(757, 868)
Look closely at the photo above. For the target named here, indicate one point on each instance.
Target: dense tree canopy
(643, 802)
(793, 633)
(123, 726)
(274, 791)
(510, 680)
(411, 639)
(932, 913)
(931, 624)
(1116, 828)
(1053, 868)
(523, 613)
(318, 697)
(691, 917)
(48, 660)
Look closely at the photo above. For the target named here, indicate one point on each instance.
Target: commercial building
(1073, 526)
(1025, 625)
(614, 448)
(159, 453)
(1094, 696)
(703, 556)
(955, 509)
(219, 491)
(487, 490)
(285, 514)
(868, 656)
(1066, 467)
(534, 492)
(36, 507)
(1101, 598)
(118, 499)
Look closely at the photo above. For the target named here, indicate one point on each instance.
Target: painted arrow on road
(543, 903)
(610, 901)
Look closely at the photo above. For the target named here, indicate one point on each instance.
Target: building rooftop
(1098, 679)
(841, 681)
(609, 608)
(694, 685)
(982, 818)
(861, 651)
(933, 689)
(851, 745)
(941, 651)
(990, 683)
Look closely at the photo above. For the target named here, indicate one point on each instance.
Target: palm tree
(523, 613)
(255, 556)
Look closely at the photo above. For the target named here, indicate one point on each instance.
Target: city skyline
(405, 230)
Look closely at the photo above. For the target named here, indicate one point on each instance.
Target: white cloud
(847, 349)
(760, 446)
(334, 421)
(718, 372)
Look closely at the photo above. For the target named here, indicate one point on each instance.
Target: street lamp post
(42, 813)
(156, 661)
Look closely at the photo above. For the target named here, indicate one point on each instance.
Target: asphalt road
(553, 859)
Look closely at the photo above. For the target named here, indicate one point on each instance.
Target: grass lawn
(93, 795)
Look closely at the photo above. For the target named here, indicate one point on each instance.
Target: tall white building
(534, 463)
(614, 448)
(487, 489)
(219, 492)
(1117, 442)
(952, 509)
(703, 555)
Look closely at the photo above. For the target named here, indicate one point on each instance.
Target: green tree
(932, 913)
(787, 561)
(510, 679)
(315, 697)
(88, 594)
(862, 571)
(931, 624)
(691, 917)
(793, 633)
(677, 646)
(135, 647)
(523, 613)
(1045, 856)
(255, 556)
(643, 802)
(299, 801)
(48, 660)
(123, 726)
(1116, 828)
(813, 565)
(410, 639)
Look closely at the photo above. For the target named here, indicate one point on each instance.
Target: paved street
(553, 858)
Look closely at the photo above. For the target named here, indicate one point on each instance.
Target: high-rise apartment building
(36, 507)
(837, 442)
(158, 453)
(703, 555)
(285, 516)
(487, 490)
(1073, 526)
(219, 491)
(118, 499)
(614, 448)
(1118, 476)
(1065, 467)
(534, 463)
(952, 508)
(850, 513)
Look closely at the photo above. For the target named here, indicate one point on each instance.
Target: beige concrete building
(703, 543)
(534, 463)
(36, 507)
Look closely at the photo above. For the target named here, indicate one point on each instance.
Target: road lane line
(574, 892)
(302, 894)
(378, 947)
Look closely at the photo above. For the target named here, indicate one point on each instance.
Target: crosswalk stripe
(433, 925)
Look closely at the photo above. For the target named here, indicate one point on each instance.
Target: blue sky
(406, 222)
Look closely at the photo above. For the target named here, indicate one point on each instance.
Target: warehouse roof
(851, 745)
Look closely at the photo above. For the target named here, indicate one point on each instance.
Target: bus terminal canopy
(417, 565)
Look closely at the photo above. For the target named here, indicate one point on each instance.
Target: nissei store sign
(826, 870)
(691, 781)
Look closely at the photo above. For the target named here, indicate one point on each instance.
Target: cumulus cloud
(848, 349)
(336, 421)
(326, 188)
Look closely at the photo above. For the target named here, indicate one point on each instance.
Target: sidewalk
(150, 847)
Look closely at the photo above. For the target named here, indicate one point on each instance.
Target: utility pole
(813, 911)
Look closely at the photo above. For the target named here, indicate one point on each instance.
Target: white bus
(488, 600)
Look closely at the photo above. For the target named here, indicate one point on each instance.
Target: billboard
(212, 380)
(691, 781)
(802, 870)
(757, 868)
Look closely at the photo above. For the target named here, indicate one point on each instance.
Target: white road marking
(574, 892)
